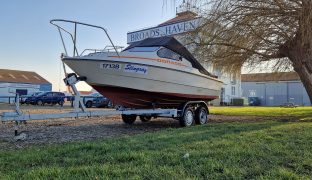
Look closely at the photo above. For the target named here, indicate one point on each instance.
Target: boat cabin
(170, 48)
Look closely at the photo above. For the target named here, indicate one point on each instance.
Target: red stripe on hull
(132, 98)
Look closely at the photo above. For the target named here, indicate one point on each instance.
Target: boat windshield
(167, 53)
(143, 49)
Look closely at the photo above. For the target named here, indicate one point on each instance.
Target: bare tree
(239, 33)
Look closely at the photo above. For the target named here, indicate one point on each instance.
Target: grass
(263, 111)
(273, 150)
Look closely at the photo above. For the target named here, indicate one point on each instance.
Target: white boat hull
(133, 84)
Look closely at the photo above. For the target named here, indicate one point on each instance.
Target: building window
(233, 79)
(233, 90)
(36, 77)
(25, 77)
(12, 76)
(252, 93)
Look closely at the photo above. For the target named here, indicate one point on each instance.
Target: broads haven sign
(167, 30)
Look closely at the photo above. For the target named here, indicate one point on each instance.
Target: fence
(12, 99)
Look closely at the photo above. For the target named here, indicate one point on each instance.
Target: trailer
(188, 114)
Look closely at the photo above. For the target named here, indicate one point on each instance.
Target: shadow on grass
(168, 138)
(217, 150)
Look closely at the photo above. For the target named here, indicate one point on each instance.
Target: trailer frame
(79, 109)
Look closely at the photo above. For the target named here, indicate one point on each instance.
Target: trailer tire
(128, 119)
(145, 118)
(201, 115)
(187, 118)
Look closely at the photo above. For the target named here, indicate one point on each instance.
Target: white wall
(232, 87)
(9, 89)
(230, 83)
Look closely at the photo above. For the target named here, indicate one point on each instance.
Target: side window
(49, 95)
(57, 94)
(167, 53)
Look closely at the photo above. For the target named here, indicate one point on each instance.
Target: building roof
(182, 16)
(264, 77)
(16, 76)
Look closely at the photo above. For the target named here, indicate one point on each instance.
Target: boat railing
(73, 35)
(106, 49)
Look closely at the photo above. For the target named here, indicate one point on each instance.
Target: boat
(153, 73)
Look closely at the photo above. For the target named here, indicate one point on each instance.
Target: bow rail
(73, 35)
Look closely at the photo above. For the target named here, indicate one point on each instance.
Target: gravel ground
(53, 131)
(65, 130)
(43, 132)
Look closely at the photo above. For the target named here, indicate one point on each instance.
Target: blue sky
(29, 42)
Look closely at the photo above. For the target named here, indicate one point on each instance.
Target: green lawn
(216, 151)
(263, 111)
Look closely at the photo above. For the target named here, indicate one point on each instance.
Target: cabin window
(143, 49)
(167, 53)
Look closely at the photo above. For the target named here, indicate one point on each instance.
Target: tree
(238, 33)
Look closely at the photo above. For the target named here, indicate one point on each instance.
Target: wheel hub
(202, 116)
(189, 118)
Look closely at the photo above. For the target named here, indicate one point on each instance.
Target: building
(21, 82)
(274, 89)
(187, 20)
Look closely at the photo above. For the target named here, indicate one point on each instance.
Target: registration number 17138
(110, 66)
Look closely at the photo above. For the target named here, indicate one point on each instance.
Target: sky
(29, 42)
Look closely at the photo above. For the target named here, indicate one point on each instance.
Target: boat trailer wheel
(145, 118)
(187, 119)
(193, 112)
(201, 115)
(128, 119)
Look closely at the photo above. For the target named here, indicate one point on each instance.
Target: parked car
(254, 101)
(46, 98)
(96, 100)
(289, 105)
(23, 98)
(69, 96)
